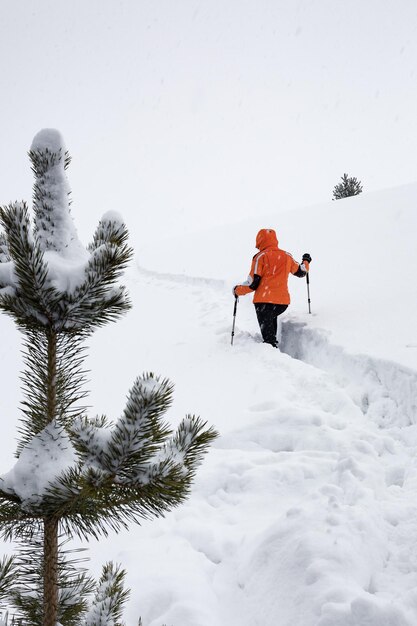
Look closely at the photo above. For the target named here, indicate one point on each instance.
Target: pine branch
(137, 434)
(96, 302)
(192, 440)
(111, 229)
(134, 470)
(33, 304)
(4, 249)
(15, 522)
(7, 275)
(75, 586)
(53, 228)
(7, 576)
(110, 598)
(86, 510)
(90, 503)
(69, 382)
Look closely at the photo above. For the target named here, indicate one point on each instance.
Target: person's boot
(274, 344)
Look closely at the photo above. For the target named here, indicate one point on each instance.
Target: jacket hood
(266, 238)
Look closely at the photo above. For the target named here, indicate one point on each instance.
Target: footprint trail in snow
(304, 513)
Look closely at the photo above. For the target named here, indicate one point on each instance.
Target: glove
(234, 292)
(306, 257)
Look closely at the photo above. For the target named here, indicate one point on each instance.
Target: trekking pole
(234, 318)
(308, 292)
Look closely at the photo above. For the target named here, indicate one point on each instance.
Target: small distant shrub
(350, 186)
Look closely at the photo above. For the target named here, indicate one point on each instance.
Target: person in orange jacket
(268, 278)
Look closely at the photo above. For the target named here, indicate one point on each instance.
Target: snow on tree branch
(40, 462)
(47, 278)
(111, 229)
(54, 226)
(4, 250)
(109, 599)
(135, 437)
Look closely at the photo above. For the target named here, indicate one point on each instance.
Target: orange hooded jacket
(273, 266)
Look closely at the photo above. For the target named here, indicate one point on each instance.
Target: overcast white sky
(185, 113)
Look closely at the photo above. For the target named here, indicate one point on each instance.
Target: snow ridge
(383, 389)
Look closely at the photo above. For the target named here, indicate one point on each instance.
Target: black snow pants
(267, 315)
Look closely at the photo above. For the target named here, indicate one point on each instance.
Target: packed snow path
(304, 513)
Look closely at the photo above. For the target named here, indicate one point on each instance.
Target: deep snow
(304, 513)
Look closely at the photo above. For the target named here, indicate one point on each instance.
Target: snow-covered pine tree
(350, 186)
(76, 476)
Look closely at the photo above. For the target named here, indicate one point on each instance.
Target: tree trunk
(51, 380)
(50, 574)
(50, 541)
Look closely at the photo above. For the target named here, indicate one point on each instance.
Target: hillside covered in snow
(362, 287)
(304, 513)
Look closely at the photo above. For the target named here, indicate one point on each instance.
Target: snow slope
(363, 292)
(304, 512)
